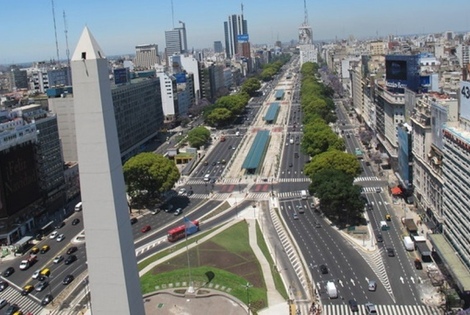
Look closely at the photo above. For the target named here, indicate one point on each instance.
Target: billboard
(395, 70)
(243, 38)
(19, 185)
(121, 76)
(180, 77)
(465, 99)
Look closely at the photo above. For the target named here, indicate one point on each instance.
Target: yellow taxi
(27, 289)
(388, 217)
(45, 272)
(34, 250)
(45, 248)
(18, 313)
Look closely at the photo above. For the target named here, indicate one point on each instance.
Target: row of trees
(331, 169)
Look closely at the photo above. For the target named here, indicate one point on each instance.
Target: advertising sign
(465, 100)
(395, 70)
(180, 77)
(243, 37)
(121, 76)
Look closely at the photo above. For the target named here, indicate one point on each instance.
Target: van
(331, 289)
(78, 207)
(303, 194)
(207, 177)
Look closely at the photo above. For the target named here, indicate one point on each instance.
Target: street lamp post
(247, 286)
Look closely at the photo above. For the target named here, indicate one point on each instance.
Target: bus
(46, 229)
(178, 233)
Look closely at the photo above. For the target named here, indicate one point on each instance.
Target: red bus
(177, 233)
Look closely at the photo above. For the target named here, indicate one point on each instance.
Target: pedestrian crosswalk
(289, 194)
(366, 179)
(297, 179)
(343, 309)
(372, 189)
(27, 304)
(258, 195)
(200, 181)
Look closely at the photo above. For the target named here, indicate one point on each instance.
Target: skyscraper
(235, 26)
(146, 56)
(218, 46)
(112, 267)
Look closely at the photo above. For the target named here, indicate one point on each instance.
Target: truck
(303, 194)
(26, 263)
(410, 226)
(424, 251)
(331, 290)
(409, 244)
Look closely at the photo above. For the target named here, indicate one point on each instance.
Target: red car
(146, 229)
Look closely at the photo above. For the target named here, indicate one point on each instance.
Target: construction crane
(55, 33)
(67, 51)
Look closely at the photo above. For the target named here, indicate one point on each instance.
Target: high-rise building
(218, 48)
(19, 79)
(113, 276)
(234, 27)
(146, 56)
(176, 42)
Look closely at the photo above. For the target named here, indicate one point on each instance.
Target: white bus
(303, 194)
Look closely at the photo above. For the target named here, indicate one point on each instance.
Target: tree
(333, 159)
(147, 176)
(250, 86)
(322, 140)
(219, 117)
(339, 198)
(198, 136)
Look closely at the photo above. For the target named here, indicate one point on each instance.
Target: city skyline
(121, 27)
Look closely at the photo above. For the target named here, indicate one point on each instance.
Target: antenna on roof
(67, 51)
(55, 32)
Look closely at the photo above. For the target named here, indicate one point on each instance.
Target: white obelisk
(112, 267)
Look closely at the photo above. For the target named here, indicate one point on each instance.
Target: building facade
(146, 56)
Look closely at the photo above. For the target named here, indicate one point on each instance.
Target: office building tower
(146, 56)
(218, 47)
(112, 266)
(184, 38)
(19, 79)
(173, 43)
(234, 27)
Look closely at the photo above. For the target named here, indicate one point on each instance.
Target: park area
(228, 256)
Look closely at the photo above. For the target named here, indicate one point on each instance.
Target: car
(12, 309)
(8, 272)
(60, 238)
(3, 285)
(214, 163)
(378, 190)
(390, 252)
(206, 163)
(46, 300)
(379, 238)
(190, 193)
(353, 306)
(27, 289)
(291, 164)
(133, 220)
(388, 217)
(58, 259)
(60, 225)
(21, 313)
(212, 181)
(71, 250)
(45, 249)
(323, 269)
(295, 216)
(70, 259)
(178, 211)
(145, 229)
(372, 286)
(3, 303)
(371, 309)
(182, 191)
(36, 274)
(54, 234)
(41, 286)
(418, 264)
(34, 250)
(317, 225)
(75, 221)
(68, 279)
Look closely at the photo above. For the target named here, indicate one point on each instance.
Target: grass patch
(276, 276)
(228, 255)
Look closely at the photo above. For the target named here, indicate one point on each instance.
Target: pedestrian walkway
(295, 180)
(366, 179)
(27, 304)
(289, 194)
(371, 189)
(383, 310)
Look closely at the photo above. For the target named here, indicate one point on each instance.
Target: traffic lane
(315, 242)
(222, 218)
(339, 257)
(399, 266)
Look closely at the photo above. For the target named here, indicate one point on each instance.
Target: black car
(323, 269)
(353, 306)
(134, 220)
(70, 259)
(68, 279)
(75, 221)
(380, 238)
(3, 285)
(72, 250)
(46, 300)
(13, 308)
(8, 272)
(390, 252)
(190, 193)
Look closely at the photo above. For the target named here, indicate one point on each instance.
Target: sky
(27, 27)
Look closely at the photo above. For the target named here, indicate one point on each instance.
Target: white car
(60, 238)
(36, 274)
(54, 234)
(58, 259)
(182, 192)
(24, 265)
